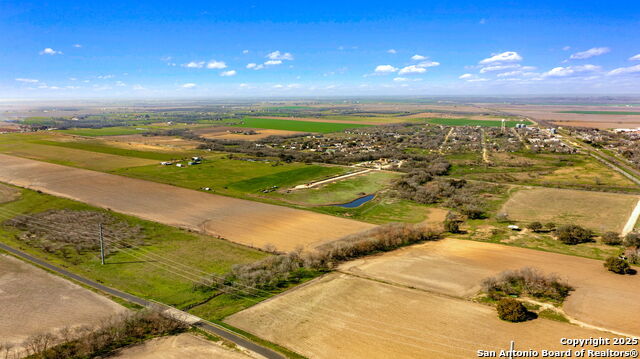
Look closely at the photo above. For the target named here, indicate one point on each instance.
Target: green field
(150, 271)
(342, 191)
(293, 125)
(102, 148)
(470, 122)
(106, 131)
(237, 176)
(628, 113)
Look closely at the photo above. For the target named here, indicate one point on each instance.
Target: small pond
(356, 202)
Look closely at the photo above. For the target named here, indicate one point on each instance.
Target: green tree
(512, 310)
(535, 226)
(617, 265)
(611, 238)
(573, 234)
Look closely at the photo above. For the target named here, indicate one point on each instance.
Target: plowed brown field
(245, 222)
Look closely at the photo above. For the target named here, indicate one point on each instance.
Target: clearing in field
(596, 210)
(246, 222)
(179, 347)
(106, 131)
(457, 267)
(294, 125)
(342, 316)
(33, 301)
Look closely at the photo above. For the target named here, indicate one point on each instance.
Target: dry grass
(341, 316)
(457, 268)
(179, 346)
(8, 194)
(33, 301)
(224, 133)
(596, 210)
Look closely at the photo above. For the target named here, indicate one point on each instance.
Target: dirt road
(241, 221)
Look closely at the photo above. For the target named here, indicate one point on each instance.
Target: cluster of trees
(573, 234)
(527, 281)
(101, 341)
(279, 270)
(70, 232)
(618, 265)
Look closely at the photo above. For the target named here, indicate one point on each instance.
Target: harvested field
(33, 301)
(245, 222)
(596, 210)
(150, 143)
(356, 121)
(224, 133)
(73, 157)
(8, 194)
(335, 317)
(179, 347)
(457, 268)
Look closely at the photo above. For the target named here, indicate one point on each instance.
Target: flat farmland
(457, 267)
(179, 347)
(581, 116)
(296, 125)
(33, 301)
(72, 157)
(596, 210)
(224, 133)
(339, 316)
(245, 222)
(474, 122)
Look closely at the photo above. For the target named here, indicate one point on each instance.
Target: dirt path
(250, 223)
(633, 219)
(332, 179)
(446, 139)
(526, 145)
(485, 151)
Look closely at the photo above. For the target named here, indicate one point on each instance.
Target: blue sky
(72, 49)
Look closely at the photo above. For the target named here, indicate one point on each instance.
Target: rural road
(202, 324)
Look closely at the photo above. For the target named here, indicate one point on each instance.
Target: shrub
(535, 226)
(527, 281)
(632, 240)
(502, 217)
(617, 265)
(611, 238)
(550, 226)
(512, 310)
(573, 234)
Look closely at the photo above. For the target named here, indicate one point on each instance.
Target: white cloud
(596, 51)
(189, 85)
(50, 51)
(428, 64)
(392, 51)
(194, 65)
(385, 69)
(278, 86)
(417, 57)
(120, 84)
(405, 79)
(228, 73)
(272, 62)
(479, 79)
(77, 46)
(105, 77)
(138, 87)
(566, 48)
(482, 21)
(245, 51)
(465, 76)
(494, 68)
(635, 58)
(413, 69)
(508, 56)
(294, 86)
(277, 55)
(30, 81)
(251, 65)
(570, 70)
(625, 70)
(213, 64)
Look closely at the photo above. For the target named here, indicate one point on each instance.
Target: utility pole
(101, 244)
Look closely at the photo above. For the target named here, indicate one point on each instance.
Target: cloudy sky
(65, 49)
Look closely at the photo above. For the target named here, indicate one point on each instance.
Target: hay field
(73, 157)
(222, 133)
(456, 268)
(596, 210)
(150, 143)
(241, 221)
(179, 347)
(8, 194)
(33, 301)
(588, 116)
(342, 316)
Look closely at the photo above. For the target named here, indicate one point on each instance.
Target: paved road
(202, 324)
